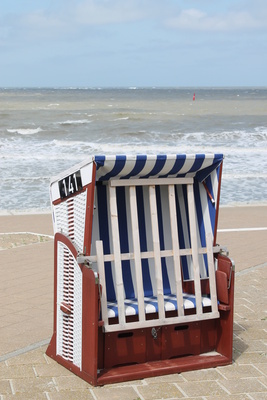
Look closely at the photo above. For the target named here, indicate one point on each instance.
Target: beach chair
(141, 288)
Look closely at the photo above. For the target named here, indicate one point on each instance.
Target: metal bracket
(88, 263)
(230, 274)
(86, 260)
(223, 250)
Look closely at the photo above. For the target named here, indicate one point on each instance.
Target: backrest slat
(102, 278)
(156, 249)
(212, 281)
(176, 254)
(117, 254)
(194, 246)
(137, 255)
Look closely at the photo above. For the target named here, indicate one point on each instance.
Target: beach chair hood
(198, 166)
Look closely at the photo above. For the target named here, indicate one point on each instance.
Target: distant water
(44, 131)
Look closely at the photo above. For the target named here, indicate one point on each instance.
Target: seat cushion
(151, 304)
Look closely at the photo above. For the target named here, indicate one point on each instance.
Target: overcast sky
(99, 43)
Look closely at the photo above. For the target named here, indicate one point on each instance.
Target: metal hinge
(86, 260)
(224, 251)
(88, 263)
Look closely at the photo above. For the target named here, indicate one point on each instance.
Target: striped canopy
(198, 166)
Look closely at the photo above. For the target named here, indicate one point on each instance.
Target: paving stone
(52, 370)
(238, 327)
(5, 387)
(116, 393)
(229, 397)
(71, 395)
(257, 346)
(33, 385)
(254, 333)
(259, 396)
(239, 345)
(202, 375)
(200, 388)
(70, 382)
(127, 383)
(262, 368)
(263, 380)
(252, 358)
(28, 396)
(160, 391)
(165, 378)
(239, 371)
(16, 371)
(243, 385)
(32, 358)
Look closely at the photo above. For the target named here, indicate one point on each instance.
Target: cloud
(72, 20)
(64, 19)
(104, 12)
(197, 20)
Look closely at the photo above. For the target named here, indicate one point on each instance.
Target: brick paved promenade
(26, 314)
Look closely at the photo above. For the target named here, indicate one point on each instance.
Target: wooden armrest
(223, 278)
(222, 287)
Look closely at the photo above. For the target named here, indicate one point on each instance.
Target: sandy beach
(26, 264)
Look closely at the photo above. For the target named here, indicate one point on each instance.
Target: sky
(133, 43)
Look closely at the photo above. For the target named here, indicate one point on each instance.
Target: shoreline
(39, 211)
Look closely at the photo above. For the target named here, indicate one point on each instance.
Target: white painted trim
(102, 278)
(117, 259)
(137, 254)
(242, 229)
(194, 245)
(176, 251)
(162, 321)
(212, 281)
(156, 247)
(151, 181)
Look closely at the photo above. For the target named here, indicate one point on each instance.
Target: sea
(44, 131)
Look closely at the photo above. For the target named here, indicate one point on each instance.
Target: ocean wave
(157, 147)
(75, 122)
(25, 211)
(26, 179)
(47, 156)
(120, 119)
(245, 175)
(71, 143)
(25, 131)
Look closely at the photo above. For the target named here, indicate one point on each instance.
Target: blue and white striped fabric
(151, 305)
(201, 167)
(198, 166)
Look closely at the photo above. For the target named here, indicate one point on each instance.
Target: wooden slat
(156, 247)
(156, 254)
(117, 256)
(137, 254)
(212, 281)
(101, 271)
(176, 251)
(193, 236)
(162, 322)
(150, 254)
(151, 182)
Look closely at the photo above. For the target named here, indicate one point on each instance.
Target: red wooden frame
(128, 355)
(109, 357)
